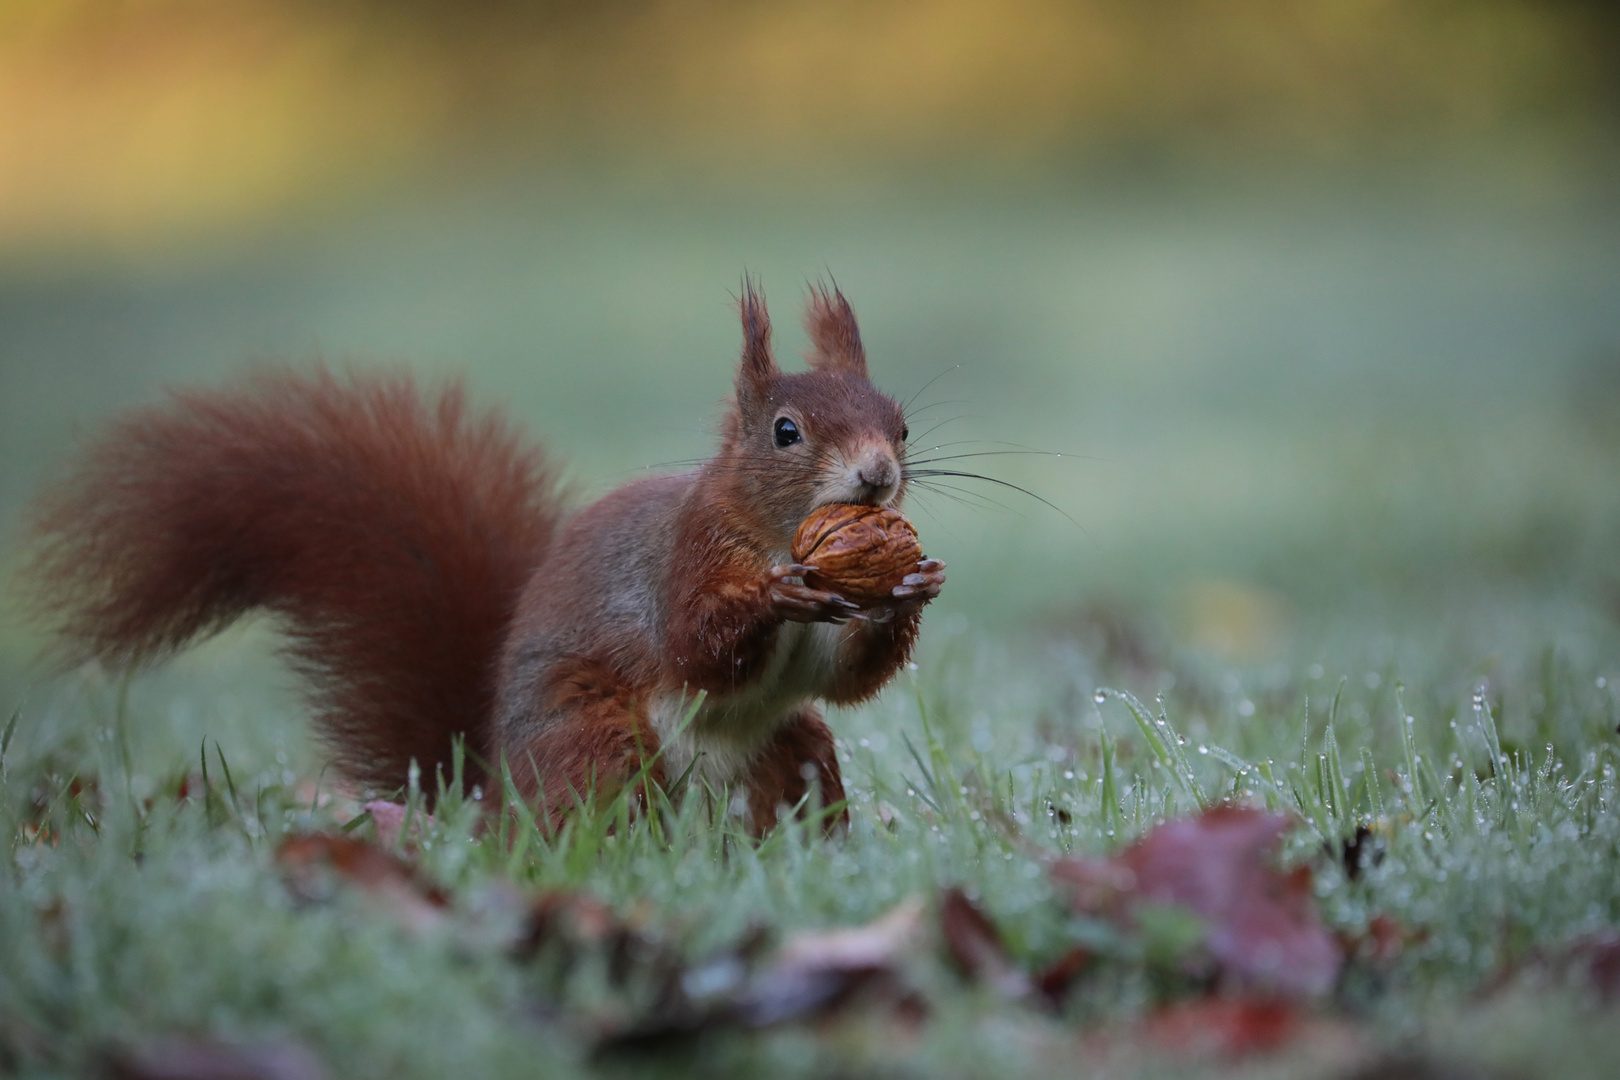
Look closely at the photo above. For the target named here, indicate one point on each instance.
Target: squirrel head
(796, 441)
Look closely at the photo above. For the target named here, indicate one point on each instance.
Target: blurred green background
(1319, 299)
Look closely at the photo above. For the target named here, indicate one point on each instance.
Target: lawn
(1459, 831)
(1334, 548)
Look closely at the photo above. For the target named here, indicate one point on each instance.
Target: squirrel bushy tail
(391, 531)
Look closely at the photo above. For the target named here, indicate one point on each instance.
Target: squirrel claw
(917, 589)
(800, 603)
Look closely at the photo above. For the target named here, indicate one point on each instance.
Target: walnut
(860, 552)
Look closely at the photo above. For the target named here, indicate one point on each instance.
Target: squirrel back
(391, 531)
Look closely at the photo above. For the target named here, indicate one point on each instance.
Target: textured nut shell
(860, 552)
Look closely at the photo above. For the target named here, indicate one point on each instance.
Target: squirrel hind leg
(591, 743)
(800, 754)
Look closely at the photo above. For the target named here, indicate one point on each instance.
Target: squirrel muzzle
(866, 474)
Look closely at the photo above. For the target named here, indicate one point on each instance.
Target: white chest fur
(720, 739)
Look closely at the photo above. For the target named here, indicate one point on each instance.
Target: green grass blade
(1164, 741)
(1110, 787)
(1369, 772)
(5, 739)
(1409, 743)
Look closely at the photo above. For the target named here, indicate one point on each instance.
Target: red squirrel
(432, 583)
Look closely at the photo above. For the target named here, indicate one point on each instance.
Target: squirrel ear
(758, 366)
(834, 337)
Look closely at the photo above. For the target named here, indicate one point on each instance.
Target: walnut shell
(860, 552)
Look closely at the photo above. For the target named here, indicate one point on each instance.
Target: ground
(1338, 546)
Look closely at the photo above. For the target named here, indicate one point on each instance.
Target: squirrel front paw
(798, 602)
(913, 592)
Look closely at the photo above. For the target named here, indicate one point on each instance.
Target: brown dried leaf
(184, 1059)
(1222, 1027)
(1598, 958)
(1054, 980)
(315, 862)
(813, 976)
(977, 948)
(877, 944)
(569, 920)
(817, 972)
(1261, 925)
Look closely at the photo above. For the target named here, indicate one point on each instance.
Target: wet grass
(1474, 812)
(1364, 476)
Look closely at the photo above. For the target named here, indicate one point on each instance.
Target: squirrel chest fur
(433, 586)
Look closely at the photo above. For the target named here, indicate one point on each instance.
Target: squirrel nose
(877, 476)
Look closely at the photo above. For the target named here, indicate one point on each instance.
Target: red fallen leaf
(975, 945)
(1054, 980)
(1261, 925)
(1222, 1027)
(1597, 957)
(189, 1060)
(1095, 885)
(311, 863)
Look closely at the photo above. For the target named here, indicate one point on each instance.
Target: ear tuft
(758, 366)
(834, 338)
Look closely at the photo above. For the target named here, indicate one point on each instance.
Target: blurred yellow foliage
(131, 118)
(142, 118)
(1239, 622)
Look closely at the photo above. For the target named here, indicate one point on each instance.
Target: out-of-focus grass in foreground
(140, 897)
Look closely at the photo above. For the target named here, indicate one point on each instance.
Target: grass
(1334, 470)
(141, 895)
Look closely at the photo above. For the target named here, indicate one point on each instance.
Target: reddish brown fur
(601, 749)
(834, 337)
(721, 612)
(720, 630)
(779, 774)
(871, 658)
(414, 553)
(391, 533)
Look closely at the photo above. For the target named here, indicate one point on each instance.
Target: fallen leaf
(812, 976)
(315, 863)
(1600, 956)
(1260, 925)
(816, 972)
(1222, 1027)
(1054, 980)
(1416, 1067)
(388, 818)
(183, 1059)
(879, 942)
(977, 948)
(569, 917)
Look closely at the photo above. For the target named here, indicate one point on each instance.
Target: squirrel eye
(787, 432)
(905, 433)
